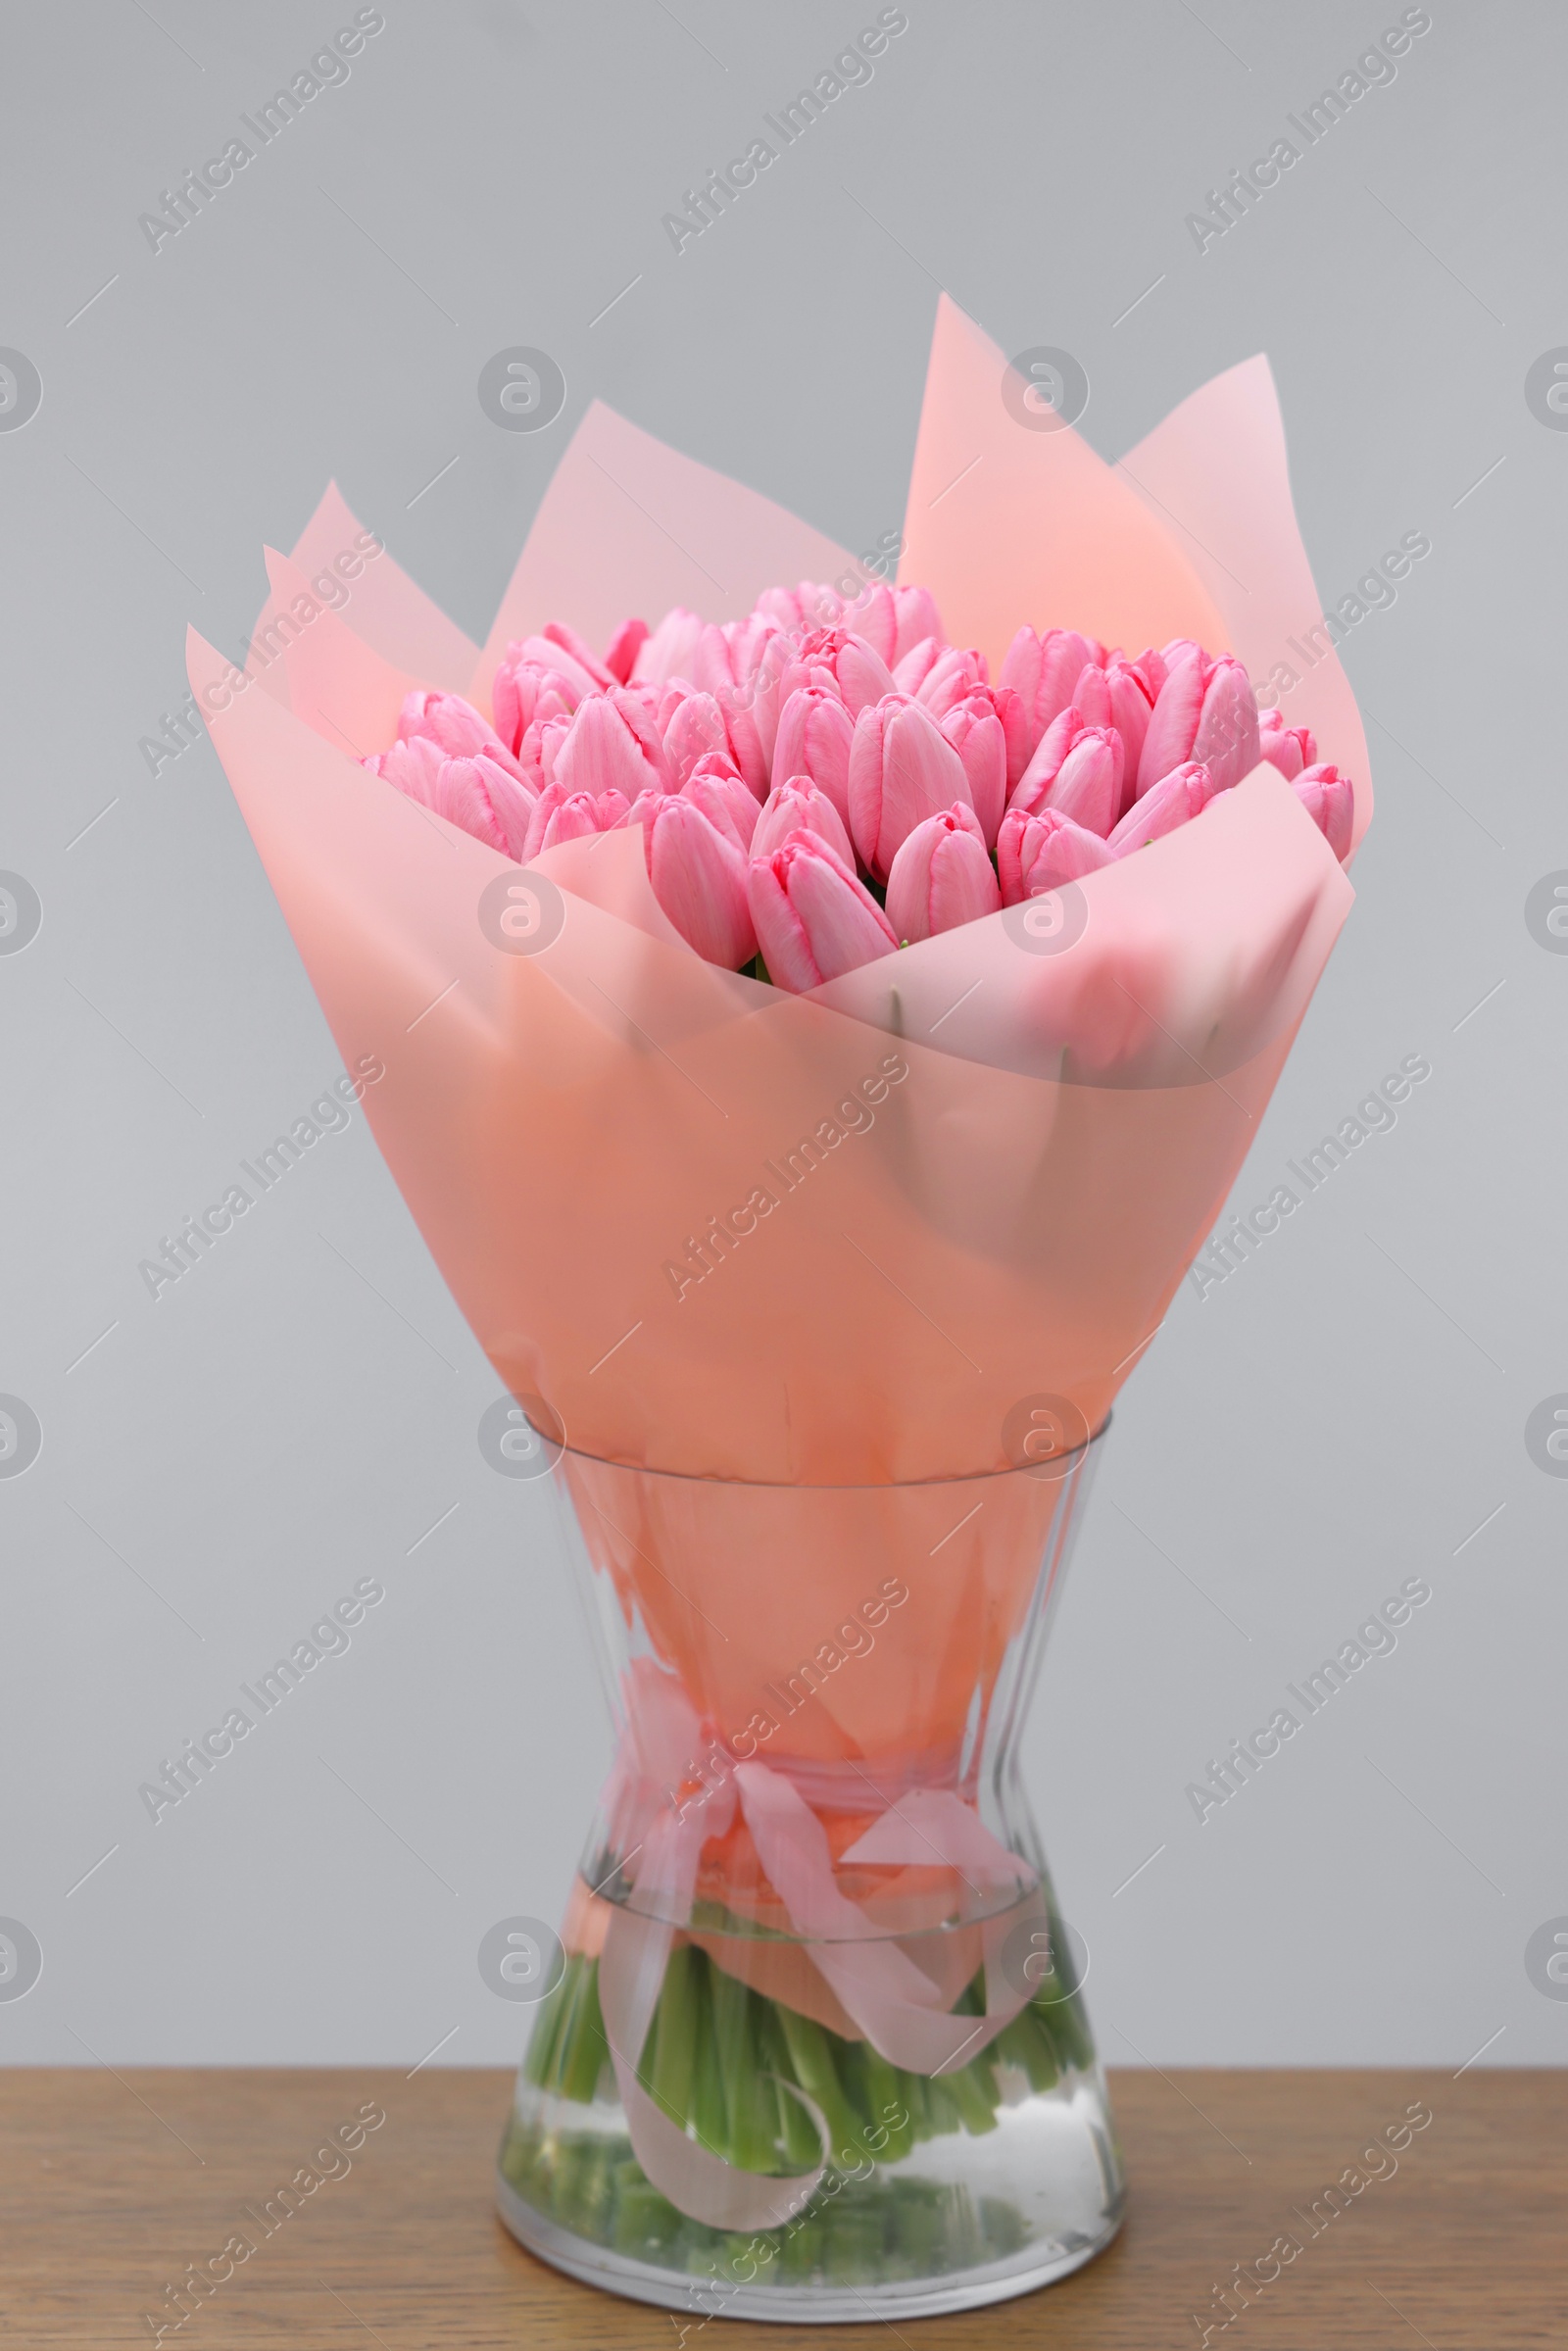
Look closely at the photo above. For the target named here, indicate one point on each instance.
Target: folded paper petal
(630, 525)
(1007, 526)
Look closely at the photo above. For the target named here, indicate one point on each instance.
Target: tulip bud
(693, 729)
(1041, 851)
(916, 616)
(860, 675)
(1227, 737)
(912, 672)
(476, 792)
(976, 730)
(1290, 749)
(951, 677)
(546, 653)
(815, 919)
(802, 609)
(536, 753)
(901, 770)
(726, 664)
(1078, 771)
(1116, 696)
(1330, 800)
(1152, 669)
(717, 786)
(620, 655)
(454, 726)
(871, 616)
(798, 806)
(557, 633)
(1176, 798)
(611, 744)
(698, 872)
(670, 648)
(814, 733)
(1206, 711)
(1043, 671)
(941, 876)
(561, 816)
(523, 692)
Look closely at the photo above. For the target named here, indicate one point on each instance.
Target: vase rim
(1054, 1473)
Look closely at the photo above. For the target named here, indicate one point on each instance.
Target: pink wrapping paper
(1038, 1143)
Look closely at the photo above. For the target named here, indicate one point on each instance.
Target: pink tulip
(1153, 669)
(557, 633)
(1330, 800)
(813, 919)
(523, 692)
(717, 786)
(726, 664)
(546, 653)
(802, 609)
(693, 729)
(698, 872)
(761, 654)
(977, 733)
(798, 806)
(942, 876)
(1041, 851)
(912, 670)
(478, 794)
(1205, 711)
(561, 816)
(1290, 749)
(669, 651)
(901, 770)
(610, 745)
(1043, 671)
(871, 616)
(1116, 696)
(454, 726)
(1078, 771)
(834, 657)
(536, 753)
(620, 654)
(916, 616)
(951, 677)
(1177, 796)
(813, 738)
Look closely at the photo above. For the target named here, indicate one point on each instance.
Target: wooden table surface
(113, 2183)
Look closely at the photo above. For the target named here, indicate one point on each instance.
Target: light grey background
(223, 1464)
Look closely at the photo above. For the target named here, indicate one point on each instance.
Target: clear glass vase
(813, 2045)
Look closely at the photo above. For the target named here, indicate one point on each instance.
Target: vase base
(827, 2303)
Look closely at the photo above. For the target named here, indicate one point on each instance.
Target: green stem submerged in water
(725, 2062)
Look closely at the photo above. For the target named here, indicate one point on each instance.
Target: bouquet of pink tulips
(816, 1042)
(822, 783)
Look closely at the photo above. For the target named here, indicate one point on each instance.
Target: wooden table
(113, 2183)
